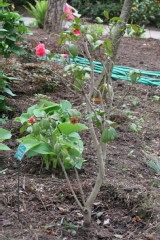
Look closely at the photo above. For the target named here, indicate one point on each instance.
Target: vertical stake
(18, 185)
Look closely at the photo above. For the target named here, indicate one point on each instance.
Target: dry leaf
(149, 237)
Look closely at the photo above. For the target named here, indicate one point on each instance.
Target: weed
(154, 164)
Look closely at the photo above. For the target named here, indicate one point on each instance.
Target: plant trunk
(116, 36)
(53, 19)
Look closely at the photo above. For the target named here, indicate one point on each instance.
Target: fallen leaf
(49, 231)
(136, 219)
(106, 222)
(149, 237)
(118, 236)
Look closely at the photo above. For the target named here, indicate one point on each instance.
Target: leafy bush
(38, 11)
(11, 32)
(95, 8)
(146, 12)
(53, 132)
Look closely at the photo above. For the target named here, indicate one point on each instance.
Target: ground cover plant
(108, 191)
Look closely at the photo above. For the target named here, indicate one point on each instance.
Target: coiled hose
(119, 72)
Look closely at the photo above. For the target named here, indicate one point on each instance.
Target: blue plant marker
(20, 152)
(19, 155)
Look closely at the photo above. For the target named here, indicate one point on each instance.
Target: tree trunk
(53, 19)
(116, 37)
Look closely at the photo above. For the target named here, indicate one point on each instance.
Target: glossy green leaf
(73, 50)
(108, 135)
(68, 128)
(3, 147)
(4, 134)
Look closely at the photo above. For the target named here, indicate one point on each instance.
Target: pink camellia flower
(40, 50)
(31, 119)
(76, 32)
(64, 55)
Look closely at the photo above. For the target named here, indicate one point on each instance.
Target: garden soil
(128, 204)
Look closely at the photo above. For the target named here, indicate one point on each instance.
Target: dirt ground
(128, 204)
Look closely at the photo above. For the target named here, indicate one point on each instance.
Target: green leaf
(23, 118)
(99, 20)
(133, 76)
(68, 128)
(134, 27)
(89, 38)
(73, 113)
(108, 135)
(42, 148)
(23, 128)
(65, 105)
(7, 90)
(3, 147)
(106, 14)
(4, 134)
(73, 50)
(29, 142)
(116, 19)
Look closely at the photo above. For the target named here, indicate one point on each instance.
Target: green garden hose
(119, 72)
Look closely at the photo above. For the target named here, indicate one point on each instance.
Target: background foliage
(144, 12)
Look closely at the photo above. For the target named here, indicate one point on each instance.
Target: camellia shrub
(52, 131)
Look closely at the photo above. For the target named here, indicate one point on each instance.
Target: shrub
(4, 89)
(11, 32)
(38, 11)
(146, 12)
(53, 132)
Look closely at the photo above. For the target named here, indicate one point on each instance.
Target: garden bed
(127, 205)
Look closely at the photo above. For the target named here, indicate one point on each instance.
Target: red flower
(31, 119)
(64, 55)
(40, 50)
(76, 32)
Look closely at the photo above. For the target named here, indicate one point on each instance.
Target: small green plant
(154, 164)
(135, 128)
(53, 132)
(38, 12)
(98, 29)
(131, 154)
(156, 98)
(4, 135)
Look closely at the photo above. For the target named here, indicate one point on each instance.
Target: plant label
(20, 152)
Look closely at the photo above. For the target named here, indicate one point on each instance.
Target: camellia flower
(64, 55)
(40, 50)
(76, 32)
(74, 120)
(31, 119)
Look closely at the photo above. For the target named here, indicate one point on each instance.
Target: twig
(69, 183)
(80, 186)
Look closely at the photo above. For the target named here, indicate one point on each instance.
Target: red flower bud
(31, 119)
